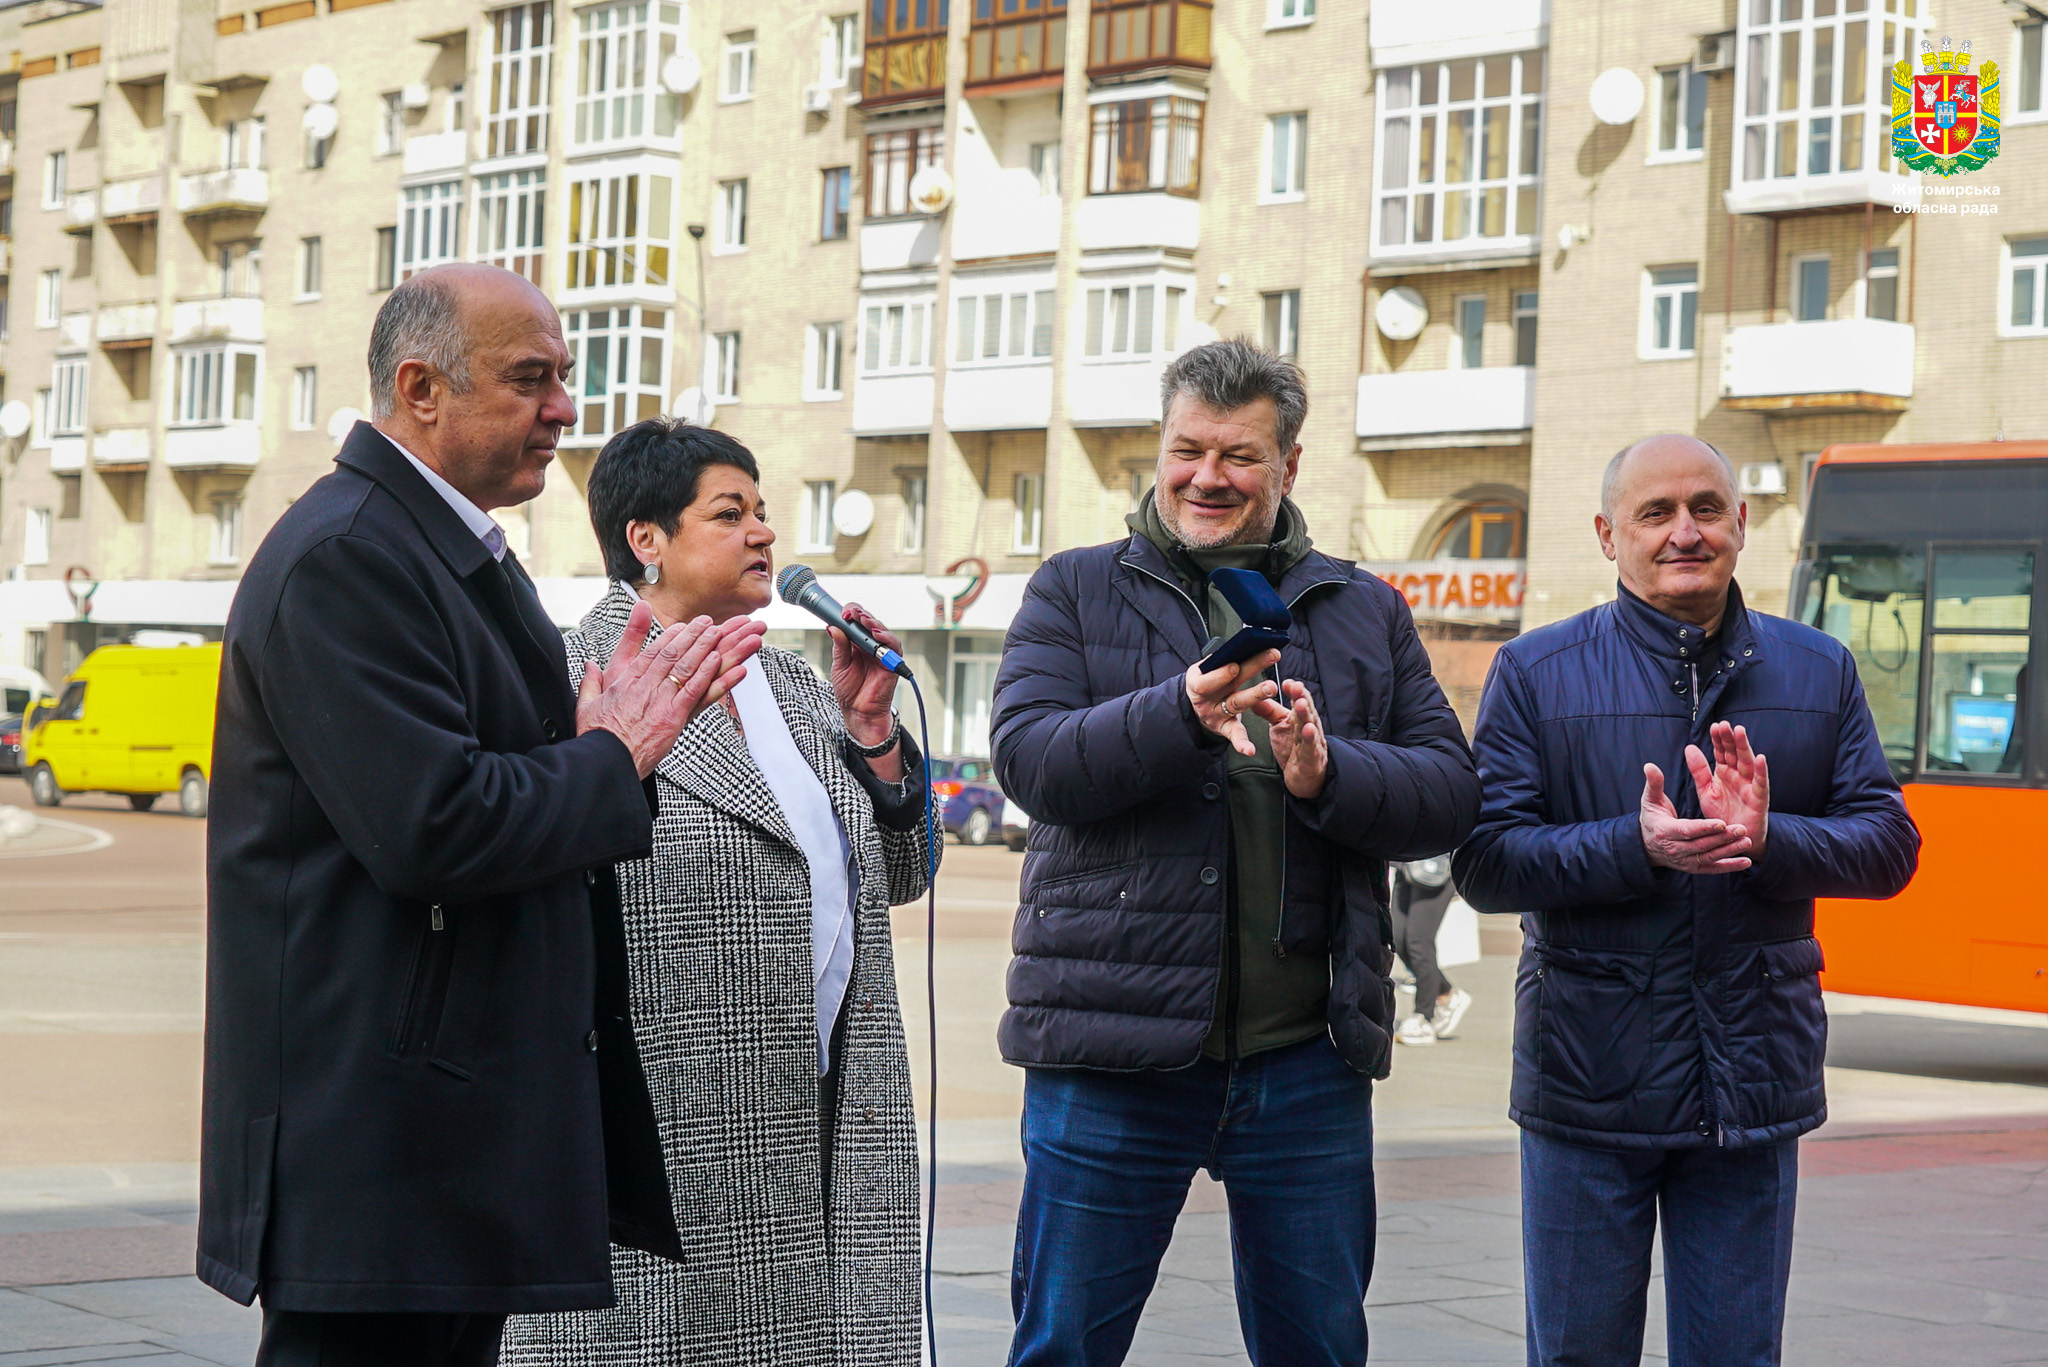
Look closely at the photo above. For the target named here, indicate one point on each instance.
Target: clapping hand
(1734, 807)
(1738, 788)
(1220, 703)
(1299, 744)
(647, 697)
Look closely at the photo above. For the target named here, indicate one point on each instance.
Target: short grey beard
(1251, 535)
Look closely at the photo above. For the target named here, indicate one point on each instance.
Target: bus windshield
(1946, 688)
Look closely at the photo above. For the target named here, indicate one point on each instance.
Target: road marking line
(100, 840)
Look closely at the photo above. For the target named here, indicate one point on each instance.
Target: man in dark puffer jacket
(1668, 1021)
(1202, 943)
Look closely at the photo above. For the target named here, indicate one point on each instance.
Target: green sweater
(1265, 999)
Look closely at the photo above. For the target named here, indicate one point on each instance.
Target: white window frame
(238, 268)
(1873, 271)
(305, 398)
(1280, 322)
(1526, 309)
(49, 298)
(1407, 129)
(521, 45)
(1110, 338)
(39, 418)
(828, 176)
(622, 250)
(896, 336)
(1766, 118)
(244, 144)
(429, 226)
(2036, 266)
(1027, 513)
(1045, 167)
(35, 535)
(722, 358)
(225, 540)
(67, 407)
(204, 389)
(1283, 169)
(312, 267)
(1009, 324)
(1690, 118)
(2029, 46)
(1463, 341)
(731, 237)
(1647, 348)
(56, 179)
(894, 156)
(816, 532)
(736, 67)
(916, 491)
(1290, 13)
(390, 123)
(511, 221)
(619, 99)
(842, 50)
(1795, 279)
(824, 362)
(619, 388)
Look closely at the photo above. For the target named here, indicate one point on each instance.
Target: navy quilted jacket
(1655, 1009)
(1119, 934)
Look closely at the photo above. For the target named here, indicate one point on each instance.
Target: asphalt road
(1922, 1230)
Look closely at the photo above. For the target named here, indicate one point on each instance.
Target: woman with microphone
(764, 992)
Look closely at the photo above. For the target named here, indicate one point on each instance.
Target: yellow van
(134, 720)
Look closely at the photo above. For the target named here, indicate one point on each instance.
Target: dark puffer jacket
(1119, 935)
(1655, 1009)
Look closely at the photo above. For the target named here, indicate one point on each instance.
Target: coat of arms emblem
(1945, 119)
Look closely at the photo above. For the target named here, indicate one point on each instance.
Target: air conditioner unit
(1714, 52)
(1762, 478)
(817, 99)
(415, 95)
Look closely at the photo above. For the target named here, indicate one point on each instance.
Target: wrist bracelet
(888, 741)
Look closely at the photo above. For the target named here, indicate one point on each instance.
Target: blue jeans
(1588, 1216)
(1107, 1162)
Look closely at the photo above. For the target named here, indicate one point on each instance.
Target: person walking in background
(421, 1088)
(1423, 891)
(792, 819)
(1670, 779)
(1200, 977)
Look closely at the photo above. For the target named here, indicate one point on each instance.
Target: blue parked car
(970, 802)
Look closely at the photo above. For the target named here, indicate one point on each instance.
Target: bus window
(1871, 599)
(1982, 611)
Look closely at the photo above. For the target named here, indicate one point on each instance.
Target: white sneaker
(1449, 1012)
(1415, 1030)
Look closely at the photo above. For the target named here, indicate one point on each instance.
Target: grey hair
(1228, 375)
(1612, 478)
(420, 321)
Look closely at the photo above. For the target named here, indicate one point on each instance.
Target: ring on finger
(1230, 707)
(677, 682)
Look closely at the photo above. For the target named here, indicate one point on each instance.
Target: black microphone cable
(933, 836)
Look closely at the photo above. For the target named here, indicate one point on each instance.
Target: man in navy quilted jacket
(1669, 780)
(1201, 970)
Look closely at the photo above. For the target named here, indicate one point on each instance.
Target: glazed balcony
(1132, 35)
(905, 56)
(1016, 45)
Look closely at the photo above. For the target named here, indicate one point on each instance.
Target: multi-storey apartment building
(928, 260)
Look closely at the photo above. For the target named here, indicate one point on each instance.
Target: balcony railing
(905, 57)
(81, 211)
(131, 200)
(225, 317)
(1126, 35)
(426, 153)
(6, 257)
(1012, 41)
(6, 156)
(74, 331)
(1404, 31)
(1114, 393)
(999, 398)
(1852, 365)
(892, 404)
(119, 449)
(1413, 405)
(237, 189)
(231, 446)
(126, 325)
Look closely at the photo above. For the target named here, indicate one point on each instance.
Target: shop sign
(1457, 590)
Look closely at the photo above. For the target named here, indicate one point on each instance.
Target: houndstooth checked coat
(718, 925)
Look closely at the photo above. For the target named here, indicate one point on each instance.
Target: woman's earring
(652, 574)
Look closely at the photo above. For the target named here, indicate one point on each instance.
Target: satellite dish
(1616, 96)
(853, 513)
(681, 72)
(1401, 314)
(14, 418)
(931, 189)
(320, 83)
(321, 121)
(342, 423)
(694, 406)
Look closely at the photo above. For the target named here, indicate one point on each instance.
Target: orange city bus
(1925, 562)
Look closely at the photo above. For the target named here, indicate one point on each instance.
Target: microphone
(799, 586)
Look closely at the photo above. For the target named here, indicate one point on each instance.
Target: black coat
(1657, 1009)
(1119, 935)
(421, 1083)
